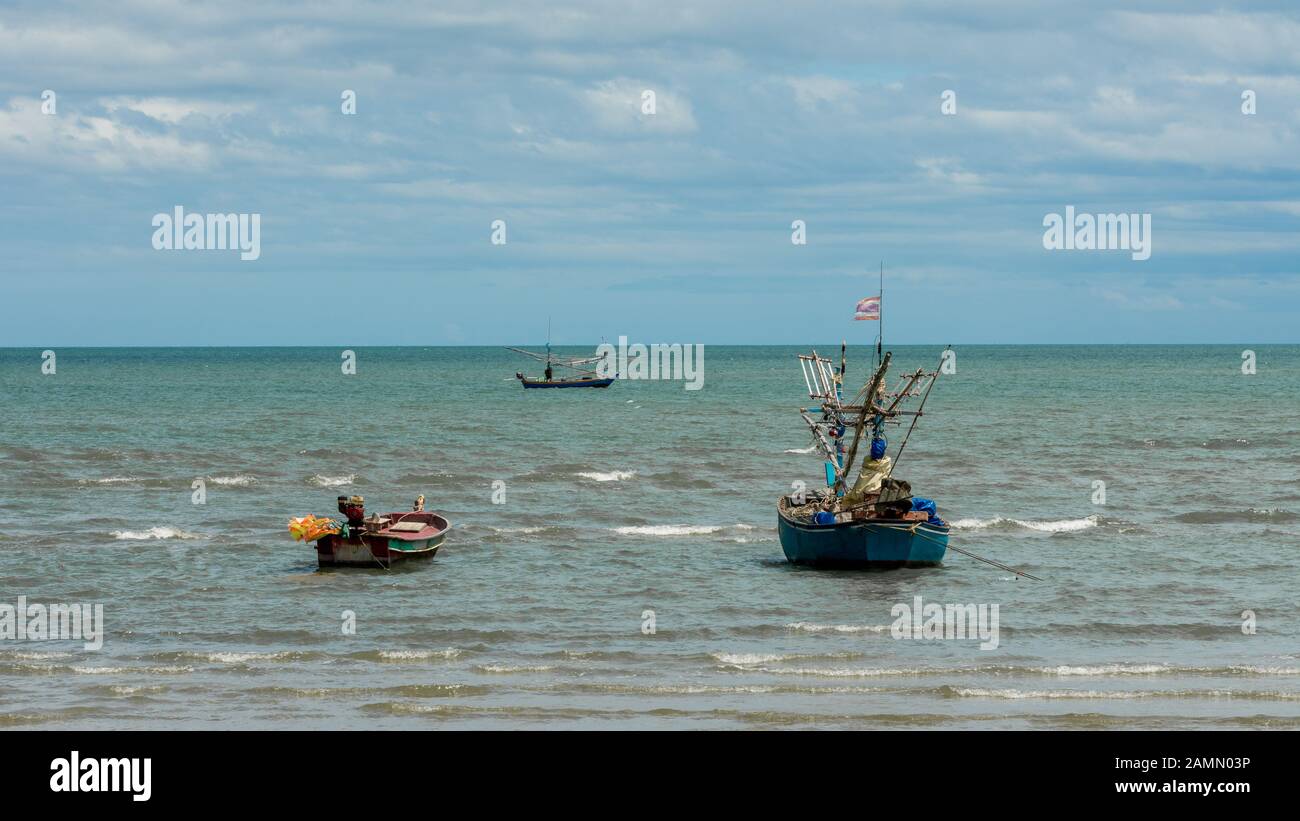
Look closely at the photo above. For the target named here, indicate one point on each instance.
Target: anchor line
(914, 530)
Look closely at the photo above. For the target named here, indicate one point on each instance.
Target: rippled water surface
(645, 497)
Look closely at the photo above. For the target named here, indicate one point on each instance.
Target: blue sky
(671, 227)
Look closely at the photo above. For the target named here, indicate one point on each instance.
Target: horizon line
(711, 344)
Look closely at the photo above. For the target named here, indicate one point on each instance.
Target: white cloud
(171, 110)
(616, 107)
(84, 142)
(816, 91)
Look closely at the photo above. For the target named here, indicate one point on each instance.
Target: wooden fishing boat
(403, 536)
(586, 377)
(372, 541)
(877, 522)
(579, 382)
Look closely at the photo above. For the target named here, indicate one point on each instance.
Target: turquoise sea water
(645, 497)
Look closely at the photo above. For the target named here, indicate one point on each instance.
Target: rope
(914, 530)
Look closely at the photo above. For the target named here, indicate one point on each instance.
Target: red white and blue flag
(868, 308)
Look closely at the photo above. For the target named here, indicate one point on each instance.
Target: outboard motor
(354, 507)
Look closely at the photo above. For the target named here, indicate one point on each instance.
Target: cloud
(84, 142)
(622, 106)
(172, 111)
(531, 111)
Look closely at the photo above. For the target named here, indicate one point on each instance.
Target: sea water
(614, 562)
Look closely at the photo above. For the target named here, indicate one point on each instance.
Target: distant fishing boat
(585, 378)
(368, 541)
(876, 522)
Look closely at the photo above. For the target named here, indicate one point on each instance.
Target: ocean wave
(241, 658)
(1117, 670)
(23, 655)
(241, 480)
(680, 530)
(743, 659)
(808, 449)
(127, 690)
(1056, 526)
(1106, 670)
(1013, 693)
(86, 670)
(507, 668)
(155, 533)
(750, 659)
(808, 627)
(332, 481)
(610, 476)
(849, 672)
(416, 655)
(115, 480)
(1226, 444)
(1254, 514)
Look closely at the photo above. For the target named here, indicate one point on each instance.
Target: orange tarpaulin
(309, 528)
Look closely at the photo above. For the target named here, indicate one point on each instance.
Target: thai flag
(868, 308)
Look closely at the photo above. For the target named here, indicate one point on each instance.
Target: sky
(376, 227)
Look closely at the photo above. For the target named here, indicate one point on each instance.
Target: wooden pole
(841, 483)
(999, 565)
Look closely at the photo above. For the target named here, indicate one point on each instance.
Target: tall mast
(880, 336)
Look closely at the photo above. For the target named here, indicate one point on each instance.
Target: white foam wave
(155, 533)
(507, 668)
(113, 671)
(415, 655)
(808, 627)
(1008, 693)
(679, 530)
(125, 690)
(1107, 670)
(34, 656)
(843, 672)
(241, 480)
(332, 481)
(610, 476)
(239, 658)
(808, 449)
(1057, 526)
(745, 659)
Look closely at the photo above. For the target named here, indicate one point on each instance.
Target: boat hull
(874, 543)
(373, 551)
(567, 383)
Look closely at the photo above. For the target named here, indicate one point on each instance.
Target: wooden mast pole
(841, 483)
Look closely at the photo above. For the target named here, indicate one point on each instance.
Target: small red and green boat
(376, 540)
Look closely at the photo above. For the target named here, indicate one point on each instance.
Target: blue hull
(876, 543)
(572, 383)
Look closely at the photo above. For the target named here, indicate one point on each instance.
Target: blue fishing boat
(875, 521)
(565, 383)
(870, 543)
